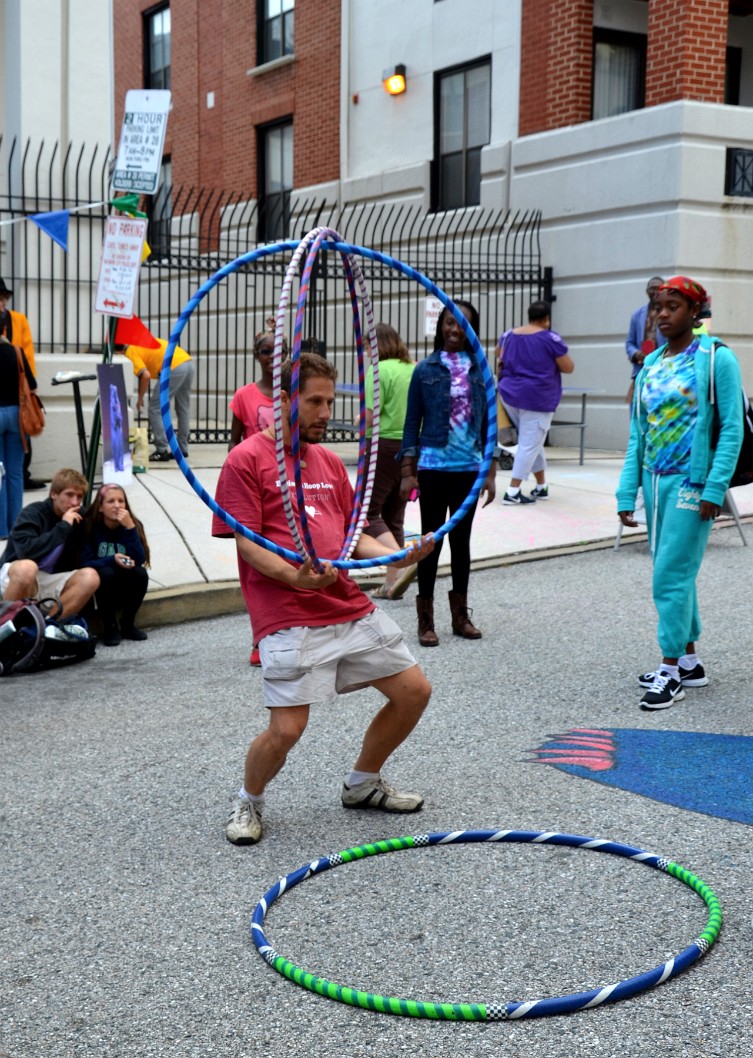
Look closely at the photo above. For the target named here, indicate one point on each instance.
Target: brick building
(247, 84)
(628, 123)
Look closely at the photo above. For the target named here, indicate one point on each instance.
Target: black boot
(111, 636)
(129, 629)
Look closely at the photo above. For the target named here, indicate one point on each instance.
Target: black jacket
(39, 531)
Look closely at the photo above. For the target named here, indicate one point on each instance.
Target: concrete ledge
(190, 602)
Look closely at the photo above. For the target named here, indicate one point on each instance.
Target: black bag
(37, 642)
(66, 642)
(22, 628)
(743, 473)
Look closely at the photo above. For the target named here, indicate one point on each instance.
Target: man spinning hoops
(318, 633)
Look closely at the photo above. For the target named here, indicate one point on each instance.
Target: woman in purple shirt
(532, 360)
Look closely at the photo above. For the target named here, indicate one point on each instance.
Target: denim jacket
(710, 467)
(427, 420)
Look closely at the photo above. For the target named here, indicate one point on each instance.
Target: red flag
(133, 332)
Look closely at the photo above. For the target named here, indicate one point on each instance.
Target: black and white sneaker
(664, 692)
(517, 500)
(541, 492)
(695, 677)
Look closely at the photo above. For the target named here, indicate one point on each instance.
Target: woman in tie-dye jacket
(443, 442)
(685, 436)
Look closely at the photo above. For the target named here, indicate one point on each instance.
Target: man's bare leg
(78, 590)
(22, 580)
(269, 750)
(407, 695)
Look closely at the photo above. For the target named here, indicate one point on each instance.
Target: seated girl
(114, 543)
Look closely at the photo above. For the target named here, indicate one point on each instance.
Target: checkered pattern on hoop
(496, 1012)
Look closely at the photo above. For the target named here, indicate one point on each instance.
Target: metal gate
(489, 257)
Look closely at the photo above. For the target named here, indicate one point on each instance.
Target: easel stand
(75, 379)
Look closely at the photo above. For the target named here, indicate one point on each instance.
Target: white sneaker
(378, 793)
(244, 825)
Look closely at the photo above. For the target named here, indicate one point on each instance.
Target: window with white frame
(157, 48)
(276, 180)
(275, 22)
(619, 73)
(462, 128)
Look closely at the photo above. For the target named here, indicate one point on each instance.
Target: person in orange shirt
(15, 327)
(147, 364)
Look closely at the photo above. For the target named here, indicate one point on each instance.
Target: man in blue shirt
(643, 336)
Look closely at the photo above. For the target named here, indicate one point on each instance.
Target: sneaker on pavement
(541, 492)
(518, 500)
(378, 793)
(695, 677)
(244, 825)
(664, 692)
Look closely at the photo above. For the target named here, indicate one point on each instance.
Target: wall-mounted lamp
(394, 80)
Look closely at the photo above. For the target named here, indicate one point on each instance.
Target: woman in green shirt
(386, 510)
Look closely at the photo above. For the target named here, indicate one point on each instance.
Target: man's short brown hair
(68, 479)
(311, 366)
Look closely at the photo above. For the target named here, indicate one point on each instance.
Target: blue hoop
(373, 255)
(483, 1011)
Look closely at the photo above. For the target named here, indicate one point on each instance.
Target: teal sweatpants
(678, 540)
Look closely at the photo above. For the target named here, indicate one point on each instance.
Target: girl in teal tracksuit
(685, 436)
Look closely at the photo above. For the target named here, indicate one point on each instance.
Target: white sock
(513, 490)
(257, 799)
(670, 670)
(357, 777)
(689, 661)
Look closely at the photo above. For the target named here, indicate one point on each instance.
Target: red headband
(687, 287)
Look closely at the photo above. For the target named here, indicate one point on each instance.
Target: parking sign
(119, 267)
(142, 138)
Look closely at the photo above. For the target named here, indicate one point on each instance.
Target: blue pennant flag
(55, 225)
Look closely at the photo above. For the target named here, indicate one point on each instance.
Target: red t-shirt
(253, 409)
(249, 490)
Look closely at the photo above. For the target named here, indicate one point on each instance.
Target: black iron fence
(488, 256)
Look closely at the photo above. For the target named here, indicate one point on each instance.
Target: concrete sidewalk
(192, 573)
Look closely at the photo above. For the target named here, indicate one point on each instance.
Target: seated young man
(318, 633)
(39, 561)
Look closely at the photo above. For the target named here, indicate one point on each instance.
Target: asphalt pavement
(125, 912)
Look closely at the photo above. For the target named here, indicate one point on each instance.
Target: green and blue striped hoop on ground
(495, 1010)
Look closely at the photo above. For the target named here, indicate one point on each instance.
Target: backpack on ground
(22, 628)
(30, 642)
(743, 473)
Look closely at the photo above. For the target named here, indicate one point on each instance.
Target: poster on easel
(117, 466)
